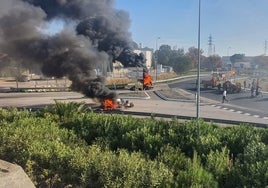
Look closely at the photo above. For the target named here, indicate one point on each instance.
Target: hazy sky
(236, 26)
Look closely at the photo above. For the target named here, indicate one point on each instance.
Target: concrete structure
(226, 63)
(246, 65)
(133, 72)
(148, 55)
(242, 65)
(13, 176)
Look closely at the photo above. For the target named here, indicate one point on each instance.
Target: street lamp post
(198, 68)
(156, 57)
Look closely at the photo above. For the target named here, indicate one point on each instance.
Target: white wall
(148, 55)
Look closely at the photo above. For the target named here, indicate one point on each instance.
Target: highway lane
(145, 104)
(239, 101)
(40, 99)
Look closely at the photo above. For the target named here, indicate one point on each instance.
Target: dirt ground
(7, 83)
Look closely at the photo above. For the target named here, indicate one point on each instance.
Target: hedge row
(69, 145)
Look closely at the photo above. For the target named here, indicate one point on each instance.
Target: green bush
(218, 162)
(71, 145)
(236, 138)
(56, 157)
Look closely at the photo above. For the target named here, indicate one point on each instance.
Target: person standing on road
(253, 87)
(224, 94)
(258, 88)
(245, 85)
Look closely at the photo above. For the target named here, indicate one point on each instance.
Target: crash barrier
(179, 78)
(39, 89)
(112, 86)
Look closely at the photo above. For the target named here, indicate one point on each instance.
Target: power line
(210, 45)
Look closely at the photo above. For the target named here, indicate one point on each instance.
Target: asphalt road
(40, 99)
(145, 104)
(239, 101)
(255, 107)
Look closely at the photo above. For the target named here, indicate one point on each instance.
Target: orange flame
(109, 104)
(147, 80)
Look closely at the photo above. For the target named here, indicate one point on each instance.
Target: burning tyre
(118, 104)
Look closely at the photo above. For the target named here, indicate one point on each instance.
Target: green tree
(181, 64)
(163, 54)
(193, 55)
(174, 58)
(180, 52)
(212, 62)
(261, 61)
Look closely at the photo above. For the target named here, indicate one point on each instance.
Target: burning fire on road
(119, 104)
(147, 81)
(109, 104)
(94, 34)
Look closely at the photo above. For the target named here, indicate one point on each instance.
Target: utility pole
(156, 57)
(210, 44)
(198, 68)
(265, 47)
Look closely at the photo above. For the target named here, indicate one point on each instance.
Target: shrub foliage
(69, 145)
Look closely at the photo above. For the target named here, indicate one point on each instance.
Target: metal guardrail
(179, 117)
(160, 115)
(179, 78)
(39, 89)
(117, 86)
(111, 86)
(122, 86)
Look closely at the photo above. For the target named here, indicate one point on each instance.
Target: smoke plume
(95, 34)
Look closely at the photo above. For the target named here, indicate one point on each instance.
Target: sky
(235, 26)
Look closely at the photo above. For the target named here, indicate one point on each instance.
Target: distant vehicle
(143, 84)
(118, 104)
(210, 83)
(232, 87)
(23, 78)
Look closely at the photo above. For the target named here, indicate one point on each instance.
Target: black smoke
(95, 34)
